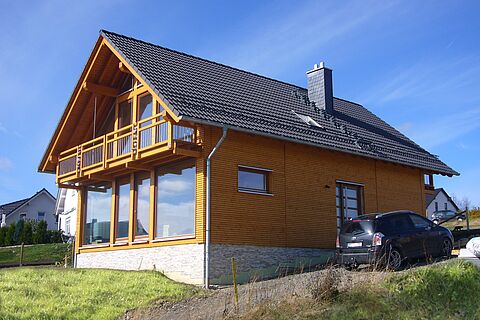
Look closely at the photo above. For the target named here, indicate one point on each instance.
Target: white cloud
(281, 41)
(446, 128)
(5, 164)
(167, 187)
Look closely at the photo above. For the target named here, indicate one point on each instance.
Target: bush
(54, 236)
(27, 235)
(9, 237)
(40, 234)
(18, 234)
(3, 233)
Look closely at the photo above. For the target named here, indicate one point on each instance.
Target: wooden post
(235, 288)
(21, 254)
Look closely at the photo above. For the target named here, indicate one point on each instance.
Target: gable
(90, 104)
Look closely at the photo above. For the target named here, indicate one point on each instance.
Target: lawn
(54, 252)
(445, 291)
(58, 293)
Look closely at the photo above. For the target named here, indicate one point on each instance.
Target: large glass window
(97, 216)
(176, 200)
(348, 201)
(142, 191)
(253, 180)
(123, 207)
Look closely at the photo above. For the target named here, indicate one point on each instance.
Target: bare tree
(462, 203)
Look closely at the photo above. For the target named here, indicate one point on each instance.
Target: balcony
(142, 142)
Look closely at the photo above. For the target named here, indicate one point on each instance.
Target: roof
(430, 197)
(9, 208)
(207, 92)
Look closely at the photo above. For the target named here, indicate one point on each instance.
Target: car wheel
(394, 259)
(446, 248)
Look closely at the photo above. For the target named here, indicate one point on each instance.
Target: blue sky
(416, 64)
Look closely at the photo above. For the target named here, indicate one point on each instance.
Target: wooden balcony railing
(129, 141)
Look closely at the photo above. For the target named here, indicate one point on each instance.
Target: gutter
(207, 214)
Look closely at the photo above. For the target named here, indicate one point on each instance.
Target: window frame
(44, 216)
(193, 235)
(267, 180)
(123, 180)
(360, 199)
(137, 176)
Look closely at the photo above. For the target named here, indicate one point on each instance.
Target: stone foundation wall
(258, 262)
(182, 263)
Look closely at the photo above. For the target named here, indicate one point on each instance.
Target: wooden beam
(99, 177)
(69, 186)
(53, 159)
(123, 68)
(100, 89)
(186, 152)
(140, 167)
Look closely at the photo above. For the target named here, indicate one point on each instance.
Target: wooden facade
(298, 210)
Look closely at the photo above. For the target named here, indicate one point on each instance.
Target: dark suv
(388, 239)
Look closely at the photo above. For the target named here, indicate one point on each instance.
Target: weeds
(324, 286)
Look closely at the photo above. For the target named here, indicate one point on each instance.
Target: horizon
(414, 78)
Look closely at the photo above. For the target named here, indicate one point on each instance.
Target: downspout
(207, 213)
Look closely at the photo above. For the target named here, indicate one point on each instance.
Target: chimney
(320, 88)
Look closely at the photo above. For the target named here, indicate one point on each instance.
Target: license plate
(354, 244)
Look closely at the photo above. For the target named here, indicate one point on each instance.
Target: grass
(445, 291)
(34, 253)
(474, 223)
(58, 293)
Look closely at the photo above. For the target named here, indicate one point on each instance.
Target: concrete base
(183, 263)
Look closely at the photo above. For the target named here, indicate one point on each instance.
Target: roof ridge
(10, 203)
(103, 31)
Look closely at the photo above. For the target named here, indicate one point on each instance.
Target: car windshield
(357, 226)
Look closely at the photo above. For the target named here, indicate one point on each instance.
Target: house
(38, 207)
(181, 163)
(66, 211)
(439, 200)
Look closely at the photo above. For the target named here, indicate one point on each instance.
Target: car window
(394, 223)
(419, 222)
(365, 226)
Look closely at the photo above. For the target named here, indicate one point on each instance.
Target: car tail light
(377, 239)
(337, 244)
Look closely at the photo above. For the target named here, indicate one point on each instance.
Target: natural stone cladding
(258, 262)
(182, 263)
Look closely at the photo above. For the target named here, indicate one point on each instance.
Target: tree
(28, 232)
(40, 234)
(18, 234)
(3, 233)
(9, 237)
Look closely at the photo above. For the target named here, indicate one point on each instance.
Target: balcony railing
(129, 141)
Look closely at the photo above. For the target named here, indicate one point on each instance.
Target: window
(123, 207)
(142, 204)
(308, 120)
(97, 215)
(144, 112)
(436, 206)
(124, 113)
(40, 216)
(394, 224)
(349, 201)
(253, 179)
(23, 216)
(428, 181)
(419, 222)
(175, 212)
(446, 206)
(67, 225)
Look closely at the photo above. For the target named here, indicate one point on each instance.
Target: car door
(401, 234)
(424, 236)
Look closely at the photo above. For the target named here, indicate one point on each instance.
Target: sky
(416, 64)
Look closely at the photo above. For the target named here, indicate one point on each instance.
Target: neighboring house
(38, 207)
(439, 200)
(189, 163)
(66, 211)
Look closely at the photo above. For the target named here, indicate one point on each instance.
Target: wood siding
(301, 211)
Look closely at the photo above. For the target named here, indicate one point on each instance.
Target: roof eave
(269, 135)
